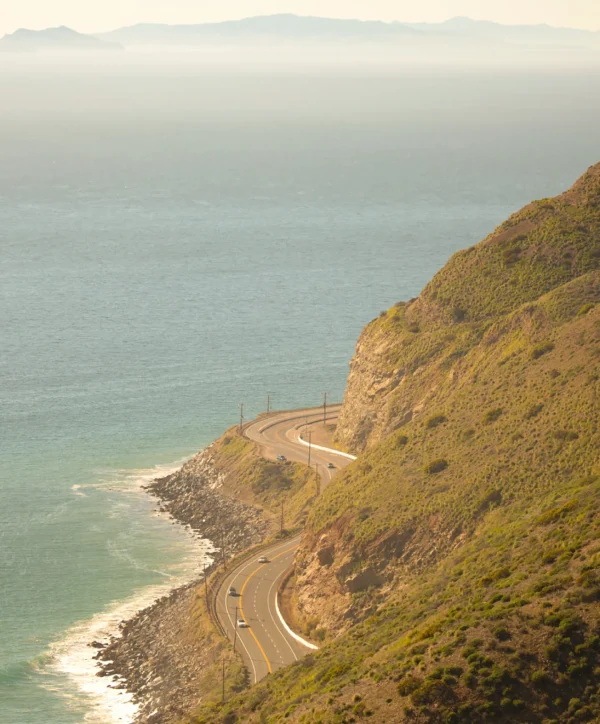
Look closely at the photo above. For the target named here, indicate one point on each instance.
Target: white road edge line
(236, 574)
(289, 630)
(326, 449)
(276, 580)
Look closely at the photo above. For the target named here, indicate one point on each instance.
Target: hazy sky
(98, 15)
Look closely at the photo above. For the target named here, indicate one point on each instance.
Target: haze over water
(177, 240)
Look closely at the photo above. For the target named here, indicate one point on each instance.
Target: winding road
(268, 643)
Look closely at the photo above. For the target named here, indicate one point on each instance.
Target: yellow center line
(262, 651)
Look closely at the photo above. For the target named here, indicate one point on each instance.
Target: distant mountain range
(458, 32)
(517, 34)
(54, 40)
(269, 27)
(304, 28)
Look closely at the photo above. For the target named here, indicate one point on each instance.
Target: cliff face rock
(403, 357)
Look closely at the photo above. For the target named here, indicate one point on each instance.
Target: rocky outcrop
(157, 659)
(194, 497)
(365, 411)
(165, 653)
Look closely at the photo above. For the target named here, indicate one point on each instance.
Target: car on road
(331, 466)
(263, 559)
(232, 591)
(281, 458)
(242, 624)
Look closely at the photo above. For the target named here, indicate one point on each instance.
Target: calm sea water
(175, 242)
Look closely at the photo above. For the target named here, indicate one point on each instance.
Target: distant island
(290, 28)
(458, 35)
(60, 39)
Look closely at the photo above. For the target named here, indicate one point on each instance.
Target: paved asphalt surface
(266, 645)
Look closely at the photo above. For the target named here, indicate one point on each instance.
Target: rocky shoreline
(156, 656)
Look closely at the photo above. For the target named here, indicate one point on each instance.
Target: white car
(263, 559)
(242, 623)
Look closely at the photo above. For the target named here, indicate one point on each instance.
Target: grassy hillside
(404, 354)
(249, 477)
(456, 565)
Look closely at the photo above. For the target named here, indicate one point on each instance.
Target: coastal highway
(268, 644)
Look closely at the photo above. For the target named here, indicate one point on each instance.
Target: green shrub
(511, 255)
(502, 633)
(555, 514)
(492, 415)
(432, 692)
(435, 421)
(436, 466)
(533, 411)
(565, 435)
(540, 679)
(359, 709)
(541, 349)
(585, 309)
(496, 575)
(409, 684)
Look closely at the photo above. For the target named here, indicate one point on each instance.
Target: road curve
(266, 645)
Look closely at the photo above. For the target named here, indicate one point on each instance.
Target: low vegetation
(473, 515)
(266, 483)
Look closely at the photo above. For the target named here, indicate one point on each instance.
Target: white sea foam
(73, 656)
(128, 481)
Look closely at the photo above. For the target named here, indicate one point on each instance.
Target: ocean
(178, 240)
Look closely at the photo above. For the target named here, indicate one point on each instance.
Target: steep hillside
(403, 356)
(455, 567)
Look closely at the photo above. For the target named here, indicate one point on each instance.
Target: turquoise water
(175, 243)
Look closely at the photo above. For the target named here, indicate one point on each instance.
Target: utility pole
(223, 697)
(241, 417)
(268, 403)
(235, 629)
(281, 528)
(205, 586)
(324, 408)
(223, 549)
(309, 445)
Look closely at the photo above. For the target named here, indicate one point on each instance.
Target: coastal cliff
(454, 567)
